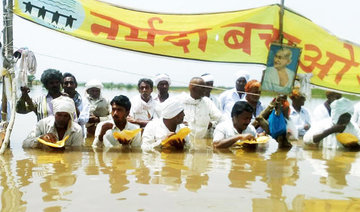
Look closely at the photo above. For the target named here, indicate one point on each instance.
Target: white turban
(162, 77)
(207, 77)
(93, 84)
(171, 108)
(242, 74)
(339, 107)
(64, 104)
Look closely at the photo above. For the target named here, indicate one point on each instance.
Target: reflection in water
(260, 180)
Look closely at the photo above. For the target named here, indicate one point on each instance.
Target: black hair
(67, 74)
(240, 107)
(122, 101)
(147, 81)
(51, 74)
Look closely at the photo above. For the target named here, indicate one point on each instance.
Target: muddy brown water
(200, 179)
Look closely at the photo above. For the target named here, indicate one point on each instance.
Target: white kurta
(320, 113)
(199, 113)
(110, 141)
(299, 119)
(226, 129)
(144, 110)
(330, 141)
(228, 99)
(47, 125)
(155, 132)
(356, 116)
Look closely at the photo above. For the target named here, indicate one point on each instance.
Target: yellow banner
(241, 36)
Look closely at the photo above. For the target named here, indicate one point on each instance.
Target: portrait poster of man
(281, 68)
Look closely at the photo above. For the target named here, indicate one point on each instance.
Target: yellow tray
(180, 135)
(58, 144)
(347, 138)
(126, 134)
(259, 140)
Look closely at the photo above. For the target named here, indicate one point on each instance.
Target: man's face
(253, 98)
(53, 86)
(240, 84)
(163, 86)
(197, 92)
(119, 113)
(145, 91)
(298, 101)
(207, 90)
(94, 92)
(69, 85)
(281, 60)
(62, 119)
(242, 120)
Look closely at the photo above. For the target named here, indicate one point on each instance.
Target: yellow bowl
(347, 139)
(180, 135)
(58, 144)
(259, 140)
(126, 134)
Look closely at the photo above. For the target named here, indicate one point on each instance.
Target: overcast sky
(116, 65)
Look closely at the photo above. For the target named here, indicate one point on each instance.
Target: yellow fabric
(259, 140)
(347, 138)
(180, 135)
(241, 36)
(58, 144)
(126, 134)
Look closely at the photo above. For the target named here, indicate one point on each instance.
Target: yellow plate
(126, 134)
(180, 135)
(347, 138)
(259, 140)
(58, 144)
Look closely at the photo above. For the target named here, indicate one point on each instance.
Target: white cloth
(271, 80)
(64, 104)
(93, 84)
(110, 141)
(199, 113)
(99, 107)
(170, 108)
(300, 119)
(228, 99)
(226, 129)
(155, 132)
(320, 113)
(144, 110)
(339, 107)
(330, 141)
(356, 116)
(207, 78)
(216, 101)
(162, 77)
(47, 125)
(242, 73)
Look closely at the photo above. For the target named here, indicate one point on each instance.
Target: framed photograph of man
(281, 68)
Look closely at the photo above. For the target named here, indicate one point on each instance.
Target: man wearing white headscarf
(57, 127)
(324, 132)
(96, 108)
(229, 97)
(167, 125)
(162, 82)
(209, 82)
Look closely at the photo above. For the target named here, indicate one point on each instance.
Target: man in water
(162, 82)
(120, 109)
(279, 78)
(323, 111)
(57, 127)
(41, 106)
(209, 82)
(144, 108)
(167, 125)
(238, 128)
(229, 97)
(70, 85)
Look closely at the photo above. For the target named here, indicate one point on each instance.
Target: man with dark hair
(144, 108)
(238, 128)
(120, 108)
(41, 106)
(69, 85)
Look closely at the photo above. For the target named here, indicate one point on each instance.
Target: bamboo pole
(281, 22)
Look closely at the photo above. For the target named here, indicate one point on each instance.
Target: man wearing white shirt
(323, 111)
(229, 97)
(120, 108)
(200, 112)
(325, 131)
(238, 128)
(171, 120)
(162, 83)
(144, 108)
(299, 115)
